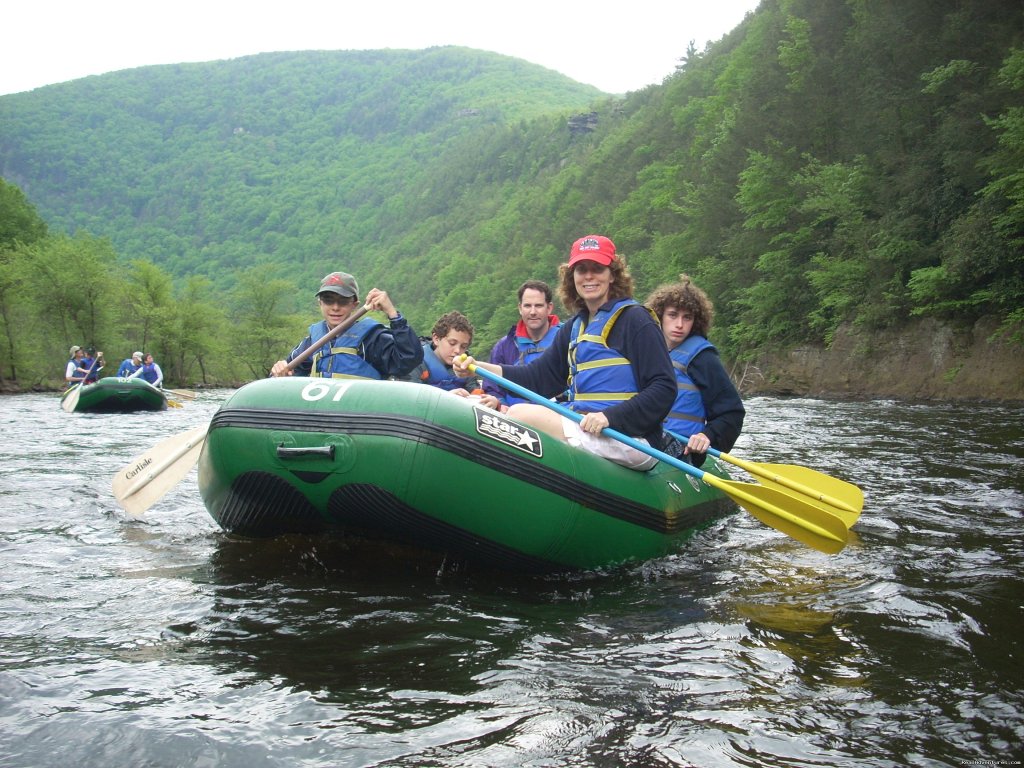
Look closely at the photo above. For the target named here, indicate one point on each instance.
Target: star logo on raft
(492, 425)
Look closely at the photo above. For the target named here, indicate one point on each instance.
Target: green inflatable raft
(411, 463)
(113, 394)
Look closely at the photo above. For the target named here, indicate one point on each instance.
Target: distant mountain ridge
(204, 168)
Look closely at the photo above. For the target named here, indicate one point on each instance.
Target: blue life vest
(528, 350)
(438, 374)
(342, 360)
(149, 373)
(687, 416)
(90, 365)
(75, 380)
(599, 376)
(127, 368)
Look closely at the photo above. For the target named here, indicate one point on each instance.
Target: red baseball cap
(592, 248)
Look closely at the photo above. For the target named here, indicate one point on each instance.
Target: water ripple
(166, 642)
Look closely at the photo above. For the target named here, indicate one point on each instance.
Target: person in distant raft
(612, 355)
(528, 338)
(451, 336)
(74, 372)
(92, 362)
(130, 365)
(149, 371)
(367, 350)
(708, 411)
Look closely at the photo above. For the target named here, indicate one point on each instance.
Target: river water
(163, 642)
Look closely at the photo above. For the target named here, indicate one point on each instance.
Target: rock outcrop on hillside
(927, 360)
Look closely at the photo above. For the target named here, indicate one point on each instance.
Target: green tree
(264, 329)
(19, 220)
(1006, 192)
(191, 331)
(15, 309)
(20, 226)
(148, 304)
(74, 278)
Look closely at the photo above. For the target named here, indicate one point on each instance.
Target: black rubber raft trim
(479, 452)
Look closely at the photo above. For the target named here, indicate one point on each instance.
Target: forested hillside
(847, 163)
(276, 158)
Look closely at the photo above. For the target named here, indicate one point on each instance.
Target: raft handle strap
(285, 453)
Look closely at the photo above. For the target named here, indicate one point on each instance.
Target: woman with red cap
(610, 359)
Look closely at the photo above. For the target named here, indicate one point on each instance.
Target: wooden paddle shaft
(334, 332)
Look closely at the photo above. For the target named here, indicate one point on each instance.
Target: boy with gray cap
(367, 350)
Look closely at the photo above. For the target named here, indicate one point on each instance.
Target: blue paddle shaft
(684, 440)
(812, 525)
(577, 417)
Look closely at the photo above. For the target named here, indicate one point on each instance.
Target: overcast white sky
(616, 46)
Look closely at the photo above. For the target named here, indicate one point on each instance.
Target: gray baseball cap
(341, 283)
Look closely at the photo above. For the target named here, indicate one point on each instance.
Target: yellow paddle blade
(147, 478)
(844, 499)
(816, 527)
(174, 403)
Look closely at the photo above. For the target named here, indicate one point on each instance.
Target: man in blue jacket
(130, 365)
(528, 338)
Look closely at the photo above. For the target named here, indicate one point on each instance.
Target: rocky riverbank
(927, 360)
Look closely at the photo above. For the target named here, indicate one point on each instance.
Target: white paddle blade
(70, 401)
(147, 478)
(184, 394)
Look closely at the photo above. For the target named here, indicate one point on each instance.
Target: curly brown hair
(686, 296)
(453, 321)
(621, 286)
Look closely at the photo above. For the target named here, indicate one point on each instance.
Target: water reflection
(165, 642)
(371, 613)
